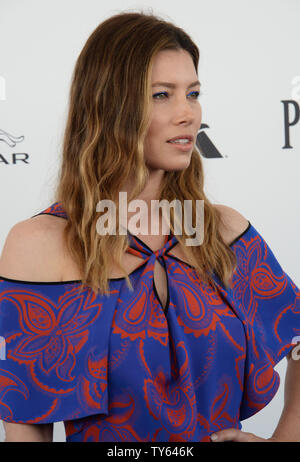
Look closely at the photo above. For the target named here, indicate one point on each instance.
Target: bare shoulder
(233, 223)
(34, 250)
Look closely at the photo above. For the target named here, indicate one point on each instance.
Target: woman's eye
(159, 94)
(194, 93)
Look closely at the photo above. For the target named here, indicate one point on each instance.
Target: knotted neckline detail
(139, 248)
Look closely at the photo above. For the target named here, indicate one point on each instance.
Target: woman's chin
(179, 164)
(172, 164)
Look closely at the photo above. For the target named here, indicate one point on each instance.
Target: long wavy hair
(108, 118)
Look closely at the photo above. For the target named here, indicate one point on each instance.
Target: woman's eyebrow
(173, 85)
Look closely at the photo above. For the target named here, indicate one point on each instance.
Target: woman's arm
(28, 432)
(288, 428)
(32, 251)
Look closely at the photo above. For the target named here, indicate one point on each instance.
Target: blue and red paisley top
(123, 368)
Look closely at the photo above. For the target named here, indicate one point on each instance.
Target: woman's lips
(182, 147)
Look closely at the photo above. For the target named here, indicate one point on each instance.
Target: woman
(185, 346)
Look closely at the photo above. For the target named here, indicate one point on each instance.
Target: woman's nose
(183, 110)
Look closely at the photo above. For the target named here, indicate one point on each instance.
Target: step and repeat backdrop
(249, 139)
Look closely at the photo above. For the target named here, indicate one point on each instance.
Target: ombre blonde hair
(108, 118)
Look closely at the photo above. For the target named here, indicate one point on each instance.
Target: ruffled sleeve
(54, 352)
(269, 304)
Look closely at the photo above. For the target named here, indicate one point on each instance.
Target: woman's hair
(109, 115)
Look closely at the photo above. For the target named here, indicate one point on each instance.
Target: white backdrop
(249, 64)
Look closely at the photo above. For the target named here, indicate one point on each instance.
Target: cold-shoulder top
(120, 367)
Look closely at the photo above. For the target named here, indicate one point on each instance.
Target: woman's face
(176, 111)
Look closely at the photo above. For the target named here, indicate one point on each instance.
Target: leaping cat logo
(10, 139)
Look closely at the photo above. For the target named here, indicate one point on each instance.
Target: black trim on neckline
(152, 251)
(78, 281)
(74, 281)
(48, 213)
(39, 282)
(242, 234)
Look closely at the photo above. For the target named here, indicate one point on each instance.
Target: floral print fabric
(124, 368)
